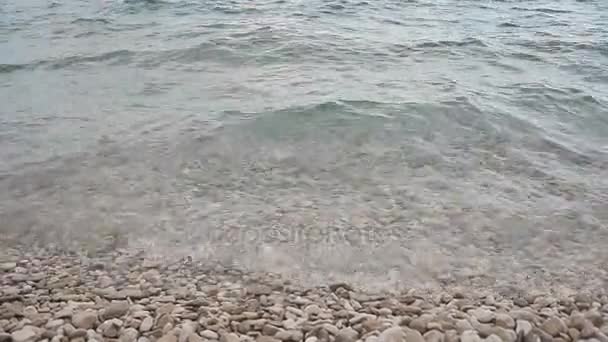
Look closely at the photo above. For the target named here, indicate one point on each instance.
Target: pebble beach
(303, 171)
(127, 297)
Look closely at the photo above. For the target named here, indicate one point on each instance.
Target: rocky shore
(128, 297)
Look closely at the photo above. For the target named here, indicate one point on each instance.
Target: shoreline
(126, 297)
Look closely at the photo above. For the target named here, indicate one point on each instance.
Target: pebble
(385, 312)
(131, 293)
(413, 336)
(482, 315)
(7, 266)
(111, 328)
(289, 324)
(188, 333)
(507, 335)
(594, 317)
(263, 338)
(26, 334)
(394, 334)
(229, 337)
(146, 324)
(295, 311)
(54, 324)
(451, 336)
(504, 320)
(128, 335)
(433, 336)
(210, 335)
(541, 334)
(470, 336)
(76, 333)
(371, 325)
(65, 313)
(574, 334)
(588, 331)
(290, 335)
(523, 328)
(332, 329)
(554, 326)
(104, 282)
(85, 319)
(347, 335)
(492, 338)
(116, 309)
(251, 325)
(312, 310)
(358, 318)
(167, 338)
(421, 322)
(270, 330)
(525, 315)
(463, 325)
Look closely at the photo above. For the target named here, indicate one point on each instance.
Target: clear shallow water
(411, 142)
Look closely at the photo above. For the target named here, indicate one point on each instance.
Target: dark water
(413, 142)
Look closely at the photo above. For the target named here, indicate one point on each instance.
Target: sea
(389, 143)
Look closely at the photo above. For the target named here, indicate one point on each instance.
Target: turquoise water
(417, 142)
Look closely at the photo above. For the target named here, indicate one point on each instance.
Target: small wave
(564, 152)
(451, 43)
(8, 68)
(506, 66)
(253, 32)
(560, 45)
(507, 24)
(551, 10)
(601, 47)
(144, 1)
(541, 10)
(335, 6)
(328, 111)
(526, 57)
(597, 79)
(197, 53)
(66, 61)
(122, 55)
(234, 10)
(92, 20)
(539, 88)
(393, 21)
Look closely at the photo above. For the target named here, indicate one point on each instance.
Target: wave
(8, 68)
(328, 111)
(234, 9)
(561, 46)
(525, 56)
(541, 10)
(144, 1)
(393, 21)
(564, 152)
(118, 56)
(451, 43)
(121, 55)
(508, 24)
(92, 20)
